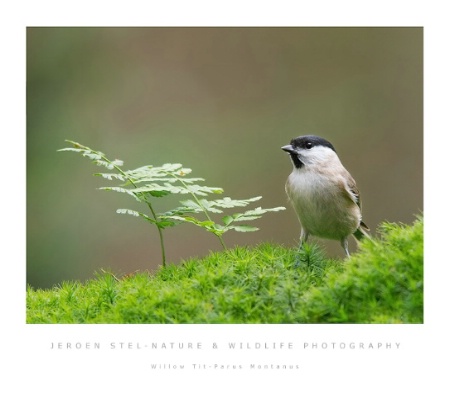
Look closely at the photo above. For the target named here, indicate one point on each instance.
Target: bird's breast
(320, 205)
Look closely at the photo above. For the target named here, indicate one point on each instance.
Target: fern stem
(160, 232)
(221, 241)
(155, 217)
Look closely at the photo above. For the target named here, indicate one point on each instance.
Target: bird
(323, 193)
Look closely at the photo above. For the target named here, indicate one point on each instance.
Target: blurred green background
(221, 101)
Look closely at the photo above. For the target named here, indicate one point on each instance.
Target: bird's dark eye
(309, 145)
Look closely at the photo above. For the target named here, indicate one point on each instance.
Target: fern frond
(122, 190)
(208, 225)
(247, 216)
(203, 204)
(169, 188)
(162, 224)
(111, 176)
(243, 228)
(232, 203)
(97, 157)
(255, 213)
(203, 190)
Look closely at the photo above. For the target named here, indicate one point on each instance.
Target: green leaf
(103, 163)
(180, 211)
(166, 179)
(117, 162)
(159, 194)
(204, 205)
(187, 180)
(155, 189)
(76, 144)
(166, 170)
(136, 214)
(168, 167)
(77, 147)
(177, 189)
(176, 169)
(227, 220)
(202, 190)
(191, 206)
(137, 172)
(122, 190)
(194, 220)
(162, 224)
(206, 224)
(255, 213)
(111, 176)
(72, 149)
(127, 212)
(97, 157)
(146, 174)
(244, 228)
(232, 203)
(246, 216)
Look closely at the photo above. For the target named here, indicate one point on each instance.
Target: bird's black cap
(308, 141)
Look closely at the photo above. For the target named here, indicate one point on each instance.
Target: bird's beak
(289, 149)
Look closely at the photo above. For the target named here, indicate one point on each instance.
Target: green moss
(382, 283)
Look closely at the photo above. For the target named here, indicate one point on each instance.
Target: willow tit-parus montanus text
(322, 192)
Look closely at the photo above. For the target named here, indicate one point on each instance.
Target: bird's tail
(361, 232)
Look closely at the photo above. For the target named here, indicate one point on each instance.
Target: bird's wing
(351, 189)
(352, 192)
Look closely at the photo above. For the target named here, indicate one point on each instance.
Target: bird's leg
(303, 239)
(344, 244)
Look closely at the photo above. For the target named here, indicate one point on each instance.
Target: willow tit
(322, 192)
